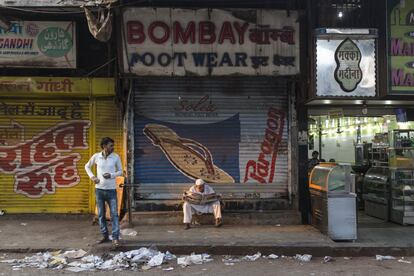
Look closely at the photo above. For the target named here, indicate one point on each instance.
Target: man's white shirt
(111, 164)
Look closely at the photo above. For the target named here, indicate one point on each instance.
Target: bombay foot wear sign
(348, 72)
(401, 46)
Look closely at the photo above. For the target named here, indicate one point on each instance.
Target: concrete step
(283, 217)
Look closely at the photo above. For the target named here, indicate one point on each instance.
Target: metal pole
(320, 138)
(129, 205)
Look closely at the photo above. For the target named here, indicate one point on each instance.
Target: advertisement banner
(40, 44)
(165, 42)
(400, 45)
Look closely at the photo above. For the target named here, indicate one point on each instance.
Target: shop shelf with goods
(402, 195)
(376, 188)
(402, 138)
(378, 151)
(379, 155)
(401, 154)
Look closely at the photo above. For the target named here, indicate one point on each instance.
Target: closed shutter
(232, 132)
(108, 123)
(44, 145)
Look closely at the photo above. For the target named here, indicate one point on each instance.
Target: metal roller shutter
(232, 132)
(108, 122)
(44, 145)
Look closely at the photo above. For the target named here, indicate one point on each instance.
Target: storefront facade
(212, 98)
(49, 128)
(360, 114)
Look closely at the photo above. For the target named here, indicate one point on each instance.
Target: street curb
(287, 250)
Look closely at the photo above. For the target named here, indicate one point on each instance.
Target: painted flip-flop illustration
(188, 156)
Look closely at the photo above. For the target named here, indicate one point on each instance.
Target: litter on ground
(383, 258)
(128, 232)
(303, 258)
(76, 261)
(252, 258)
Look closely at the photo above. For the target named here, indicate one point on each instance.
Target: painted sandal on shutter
(188, 156)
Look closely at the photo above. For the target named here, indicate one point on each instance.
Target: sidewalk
(48, 232)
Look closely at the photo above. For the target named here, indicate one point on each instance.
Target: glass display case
(332, 178)
(402, 195)
(376, 192)
(333, 200)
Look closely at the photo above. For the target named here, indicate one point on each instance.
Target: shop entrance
(380, 149)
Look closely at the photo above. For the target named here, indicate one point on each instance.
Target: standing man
(201, 198)
(108, 167)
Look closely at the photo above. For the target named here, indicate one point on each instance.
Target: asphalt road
(340, 266)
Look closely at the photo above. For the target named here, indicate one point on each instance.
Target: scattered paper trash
(128, 232)
(194, 259)
(229, 260)
(277, 225)
(273, 257)
(252, 258)
(402, 260)
(2, 212)
(8, 261)
(170, 231)
(169, 257)
(328, 259)
(156, 260)
(76, 269)
(383, 258)
(183, 261)
(74, 254)
(347, 258)
(168, 269)
(303, 258)
(23, 224)
(75, 260)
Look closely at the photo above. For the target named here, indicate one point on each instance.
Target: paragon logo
(348, 72)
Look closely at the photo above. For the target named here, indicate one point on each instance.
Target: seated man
(201, 198)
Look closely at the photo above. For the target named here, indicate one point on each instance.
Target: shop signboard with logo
(210, 42)
(40, 44)
(401, 46)
(345, 62)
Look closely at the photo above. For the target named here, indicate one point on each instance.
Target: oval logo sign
(348, 73)
(55, 42)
